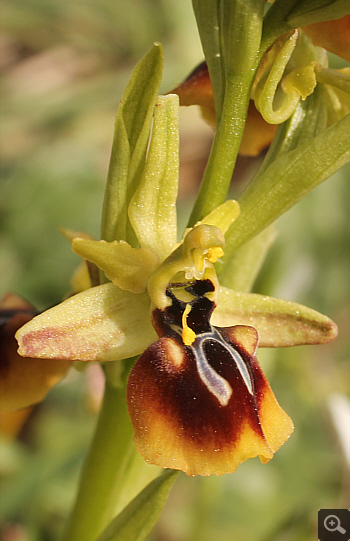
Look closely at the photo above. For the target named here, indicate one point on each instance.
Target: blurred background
(64, 68)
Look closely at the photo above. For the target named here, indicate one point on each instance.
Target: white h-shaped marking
(215, 383)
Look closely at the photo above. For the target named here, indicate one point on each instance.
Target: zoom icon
(334, 525)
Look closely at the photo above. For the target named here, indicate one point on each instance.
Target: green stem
(222, 159)
(103, 470)
(238, 39)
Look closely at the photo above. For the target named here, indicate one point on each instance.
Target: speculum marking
(215, 383)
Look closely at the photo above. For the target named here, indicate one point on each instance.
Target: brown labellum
(205, 407)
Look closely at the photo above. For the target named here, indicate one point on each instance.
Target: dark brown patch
(178, 392)
(10, 322)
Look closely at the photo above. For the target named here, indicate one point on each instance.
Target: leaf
(137, 519)
(152, 210)
(131, 134)
(287, 180)
(307, 12)
(103, 323)
(279, 323)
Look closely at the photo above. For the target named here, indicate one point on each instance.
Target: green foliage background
(65, 67)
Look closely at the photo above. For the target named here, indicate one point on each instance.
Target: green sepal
(279, 323)
(287, 180)
(103, 323)
(131, 134)
(152, 210)
(138, 518)
(286, 74)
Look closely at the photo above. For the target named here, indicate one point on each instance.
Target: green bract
(285, 15)
(138, 518)
(131, 134)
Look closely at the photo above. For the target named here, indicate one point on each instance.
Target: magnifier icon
(332, 524)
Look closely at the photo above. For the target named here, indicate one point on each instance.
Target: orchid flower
(289, 71)
(23, 381)
(197, 397)
(192, 382)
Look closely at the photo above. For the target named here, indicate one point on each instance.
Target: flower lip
(6, 314)
(169, 321)
(23, 381)
(202, 405)
(195, 319)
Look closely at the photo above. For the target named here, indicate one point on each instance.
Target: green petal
(192, 259)
(152, 210)
(279, 323)
(300, 81)
(266, 90)
(137, 519)
(128, 268)
(223, 216)
(103, 323)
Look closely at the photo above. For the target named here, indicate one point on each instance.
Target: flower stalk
(231, 51)
(101, 481)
